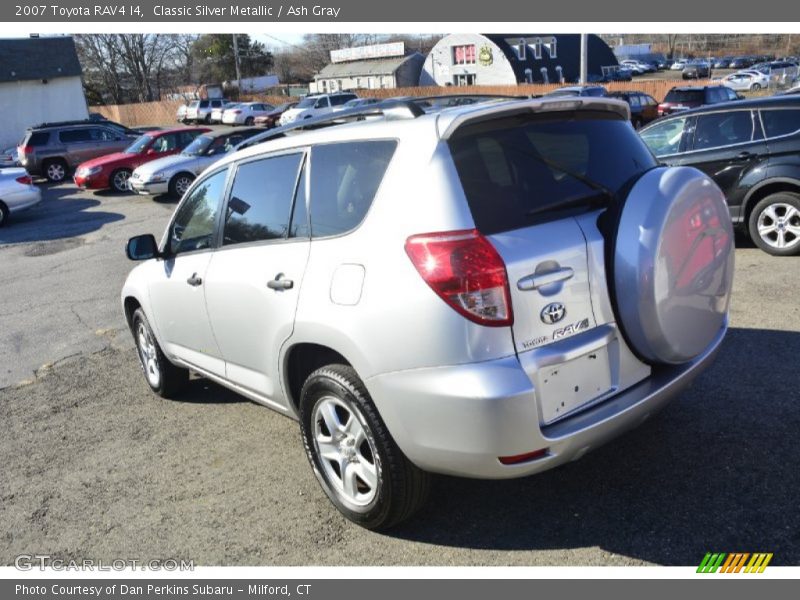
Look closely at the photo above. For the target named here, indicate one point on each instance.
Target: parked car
(751, 81)
(723, 63)
(752, 150)
(216, 113)
(696, 70)
(637, 67)
(271, 119)
(174, 174)
(741, 62)
(644, 108)
(682, 98)
(113, 170)
(360, 102)
(199, 111)
(489, 348)
(245, 113)
(9, 157)
(17, 192)
(55, 150)
(679, 64)
(578, 90)
(180, 114)
(316, 106)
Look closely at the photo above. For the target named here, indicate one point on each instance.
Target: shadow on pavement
(62, 213)
(717, 470)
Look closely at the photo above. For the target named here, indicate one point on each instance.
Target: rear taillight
(25, 180)
(466, 271)
(237, 112)
(25, 149)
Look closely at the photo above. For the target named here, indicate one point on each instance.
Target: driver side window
(196, 219)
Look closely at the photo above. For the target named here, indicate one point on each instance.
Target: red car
(112, 170)
(271, 120)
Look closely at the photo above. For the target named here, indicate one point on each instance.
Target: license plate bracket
(568, 386)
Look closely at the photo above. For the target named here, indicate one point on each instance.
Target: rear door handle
(279, 283)
(746, 155)
(194, 280)
(536, 281)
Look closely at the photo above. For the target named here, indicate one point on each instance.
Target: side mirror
(142, 247)
(151, 152)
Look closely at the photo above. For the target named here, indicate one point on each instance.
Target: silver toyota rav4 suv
(485, 291)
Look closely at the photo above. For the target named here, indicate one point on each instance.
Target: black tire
(781, 204)
(119, 180)
(637, 123)
(176, 189)
(755, 87)
(207, 120)
(4, 213)
(249, 121)
(171, 379)
(401, 487)
(55, 170)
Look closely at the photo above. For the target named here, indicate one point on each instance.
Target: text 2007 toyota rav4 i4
(486, 291)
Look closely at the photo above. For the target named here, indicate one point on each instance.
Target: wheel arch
(302, 359)
(766, 188)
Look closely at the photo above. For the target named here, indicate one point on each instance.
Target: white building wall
(440, 70)
(369, 82)
(26, 103)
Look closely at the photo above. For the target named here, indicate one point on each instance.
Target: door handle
(536, 281)
(746, 155)
(194, 280)
(279, 283)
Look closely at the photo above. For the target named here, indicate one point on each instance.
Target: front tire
(119, 180)
(179, 184)
(356, 461)
(774, 224)
(4, 213)
(164, 378)
(755, 87)
(249, 121)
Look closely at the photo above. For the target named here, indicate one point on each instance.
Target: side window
(344, 180)
(261, 200)
(780, 122)
(634, 101)
(731, 94)
(665, 138)
(186, 138)
(74, 135)
(323, 102)
(196, 219)
(103, 135)
(723, 129)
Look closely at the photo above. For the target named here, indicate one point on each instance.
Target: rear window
(521, 170)
(780, 122)
(344, 180)
(684, 96)
(40, 138)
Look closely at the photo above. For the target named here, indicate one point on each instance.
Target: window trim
(304, 152)
(164, 245)
(753, 132)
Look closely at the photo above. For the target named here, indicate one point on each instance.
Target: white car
(637, 67)
(9, 157)
(746, 80)
(678, 65)
(199, 111)
(17, 192)
(216, 113)
(316, 106)
(245, 113)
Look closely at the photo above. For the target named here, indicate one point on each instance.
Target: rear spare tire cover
(672, 264)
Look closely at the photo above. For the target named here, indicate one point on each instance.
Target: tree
(215, 61)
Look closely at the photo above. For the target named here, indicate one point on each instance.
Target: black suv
(751, 149)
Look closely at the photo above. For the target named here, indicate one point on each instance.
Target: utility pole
(584, 58)
(236, 62)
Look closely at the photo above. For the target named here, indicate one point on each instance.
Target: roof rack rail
(388, 109)
(408, 107)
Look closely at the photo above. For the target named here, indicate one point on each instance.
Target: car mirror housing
(142, 247)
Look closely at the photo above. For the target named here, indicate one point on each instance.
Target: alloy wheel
(779, 226)
(148, 355)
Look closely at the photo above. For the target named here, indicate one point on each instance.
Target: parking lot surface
(97, 467)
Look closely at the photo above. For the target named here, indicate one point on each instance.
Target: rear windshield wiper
(591, 198)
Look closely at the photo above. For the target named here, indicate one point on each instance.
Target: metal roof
(38, 58)
(363, 68)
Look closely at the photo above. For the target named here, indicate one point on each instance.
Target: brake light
(523, 458)
(25, 180)
(466, 271)
(25, 149)
(236, 112)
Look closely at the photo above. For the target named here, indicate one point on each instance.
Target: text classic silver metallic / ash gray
(487, 290)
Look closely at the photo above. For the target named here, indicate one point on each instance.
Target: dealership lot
(95, 466)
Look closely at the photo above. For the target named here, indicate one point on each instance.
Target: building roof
(364, 68)
(38, 58)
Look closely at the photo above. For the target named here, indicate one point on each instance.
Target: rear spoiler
(488, 112)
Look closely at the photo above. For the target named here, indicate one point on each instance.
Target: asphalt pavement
(97, 467)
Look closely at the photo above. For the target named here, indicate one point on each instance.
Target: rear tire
(755, 87)
(357, 463)
(774, 224)
(164, 378)
(249, 121)
(55, 170)
(4, 213)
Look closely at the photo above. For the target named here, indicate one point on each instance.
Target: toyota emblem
(553, 313)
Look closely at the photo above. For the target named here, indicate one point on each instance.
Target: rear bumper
(459, 420)
(22, 199)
